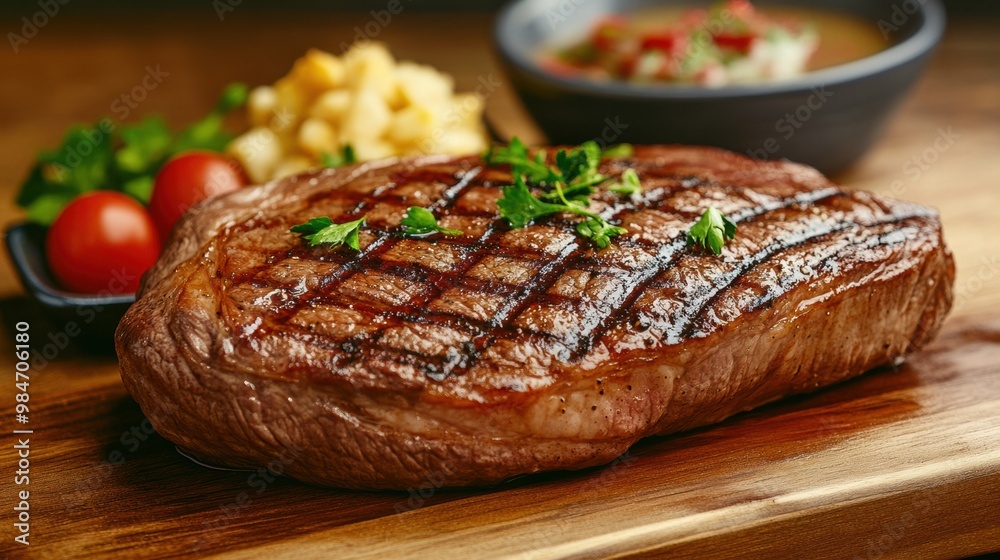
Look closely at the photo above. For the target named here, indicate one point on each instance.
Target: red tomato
(627, 64)
(739, 43)
(188, 178)
(102, 242)
(659, 41)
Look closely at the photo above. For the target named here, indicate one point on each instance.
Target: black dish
(842, 109)
(91, 319)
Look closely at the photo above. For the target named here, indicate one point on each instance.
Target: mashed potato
(363, 102)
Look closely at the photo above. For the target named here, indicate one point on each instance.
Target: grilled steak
(467, 360)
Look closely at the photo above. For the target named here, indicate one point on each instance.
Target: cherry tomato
(102, 242)
(188, 178)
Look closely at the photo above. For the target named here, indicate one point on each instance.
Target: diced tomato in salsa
(558, 67)
(740, 43)
(659, 41)
(619, 47)
(608, 32)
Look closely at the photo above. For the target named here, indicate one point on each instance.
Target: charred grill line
(452, 193)
(685, 327)
(373, 251)
(544, 280)
(869, 242)
(666, 257)
(475, 252)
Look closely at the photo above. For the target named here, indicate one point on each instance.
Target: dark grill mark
(685, 327)
(666, 257)
(597, 317)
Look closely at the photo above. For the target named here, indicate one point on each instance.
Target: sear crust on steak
(472, 359)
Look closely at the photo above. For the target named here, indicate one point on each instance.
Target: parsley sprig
(345, 156)
(420, 221)
(628, 185)
(711, 231)
(322, 230)
(122, 157)
(566, 187)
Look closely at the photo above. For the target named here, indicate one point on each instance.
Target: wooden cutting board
(899, 463)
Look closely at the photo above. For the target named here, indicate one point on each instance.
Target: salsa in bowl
(826, 116)
(730, 42)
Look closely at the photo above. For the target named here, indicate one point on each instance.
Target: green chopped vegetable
(420, 221)
(123, 158)
(322, 230)
(618, 151)
(520, 207)
(628, 185)
(566, 187)
(345, 157)
(711, 231)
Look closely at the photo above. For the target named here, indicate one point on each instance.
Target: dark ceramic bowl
(90, 319)
(838, 112)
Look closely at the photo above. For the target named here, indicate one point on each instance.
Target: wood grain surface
(900, 463)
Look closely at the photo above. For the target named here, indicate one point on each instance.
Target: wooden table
(901, 463)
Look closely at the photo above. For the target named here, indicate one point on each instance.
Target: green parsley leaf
(345, 157)
(82, 163)
(711, 231)
(322, 230)
(618, 151)
(599, 231)
(520, 207)
(578, 171)
(144, 145)
(140, 188)
(568, 187)
(420, 221)
(521, 162)
(124, 158)
(628, 185)
(208, 134)
(45, 209)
